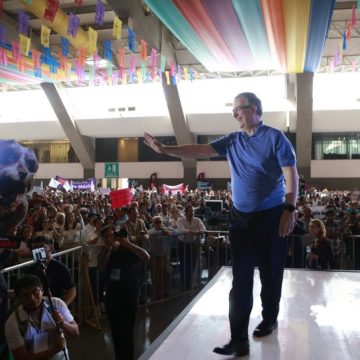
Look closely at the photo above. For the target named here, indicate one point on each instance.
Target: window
(336, 146)
(52, 151)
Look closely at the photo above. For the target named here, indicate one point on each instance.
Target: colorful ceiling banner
(197, 16)
(167, 12)
(223, 16)
(321, 13)
(250, 16)
(275, 27)
(281, 34)
(296, 31)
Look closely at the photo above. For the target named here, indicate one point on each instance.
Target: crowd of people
(58, 220)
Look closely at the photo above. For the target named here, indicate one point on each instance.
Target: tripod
(43, 273)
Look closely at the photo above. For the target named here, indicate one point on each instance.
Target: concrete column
(82, 145)
(181, 130)
(304, 105)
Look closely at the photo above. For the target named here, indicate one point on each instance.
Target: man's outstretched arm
(187, 151)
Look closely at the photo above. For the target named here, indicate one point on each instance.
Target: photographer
(58, 275)
(31, 331)
(123, 263)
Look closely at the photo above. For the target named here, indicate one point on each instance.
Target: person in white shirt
(189, 247)
(31, 331)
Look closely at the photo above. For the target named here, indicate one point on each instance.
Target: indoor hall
(83, 81)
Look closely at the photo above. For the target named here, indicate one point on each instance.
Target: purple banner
(88, 184)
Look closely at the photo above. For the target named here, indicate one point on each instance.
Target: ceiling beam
(82, 145)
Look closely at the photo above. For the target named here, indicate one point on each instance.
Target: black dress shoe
(239, 349)
(264, 329)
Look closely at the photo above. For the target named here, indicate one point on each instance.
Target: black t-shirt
(123, 271)
(59, 278)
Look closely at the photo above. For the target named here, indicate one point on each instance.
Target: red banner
(51, 10)
(120, 198)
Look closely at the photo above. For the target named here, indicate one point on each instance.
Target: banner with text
(165, 189)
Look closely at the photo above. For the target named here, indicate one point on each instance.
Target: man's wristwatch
(289, 207)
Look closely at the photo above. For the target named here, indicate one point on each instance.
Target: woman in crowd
(175, 216)
(319, 255)
(71, 232)
(24, 253)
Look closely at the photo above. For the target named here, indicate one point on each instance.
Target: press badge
(115, 274)
(40, 342)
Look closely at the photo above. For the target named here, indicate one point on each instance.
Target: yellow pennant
(139, 76)
(24, 44)
(117, 26)
(167, 74)
(93, 36)
(124, 79)
(45, 36)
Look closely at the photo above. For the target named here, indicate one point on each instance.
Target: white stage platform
(319, 319)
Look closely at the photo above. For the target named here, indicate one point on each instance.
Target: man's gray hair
(252, 100)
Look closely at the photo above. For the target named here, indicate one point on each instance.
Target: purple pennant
(100, 12)
(64, 46)
(2, 34)
(23, 23)
(74, 23)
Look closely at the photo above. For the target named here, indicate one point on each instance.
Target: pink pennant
(132, 64)
(172, 69)
(332, 64)
(153, 64)
(52, 7)
(36, 58)
(15, 50)
(20, 64)
(353, 66)
(121, 57)
(3, 57)
(348, 30)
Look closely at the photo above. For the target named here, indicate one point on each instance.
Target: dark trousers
(121, 312)
(255, 240)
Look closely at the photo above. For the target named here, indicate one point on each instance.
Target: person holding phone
(58, 275)
(123, 262)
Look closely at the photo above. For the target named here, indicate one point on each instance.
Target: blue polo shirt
(255, 161)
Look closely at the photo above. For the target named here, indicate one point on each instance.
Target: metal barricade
(350, 252)
(72, 258)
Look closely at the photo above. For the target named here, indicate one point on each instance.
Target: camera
(39, 255)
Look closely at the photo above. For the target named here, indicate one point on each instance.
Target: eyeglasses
(240, 107)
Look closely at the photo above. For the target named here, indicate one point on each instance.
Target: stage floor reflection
(319, 319)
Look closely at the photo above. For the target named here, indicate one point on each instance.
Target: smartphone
(39, 254)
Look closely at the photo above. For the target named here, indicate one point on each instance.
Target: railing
(180, 263)
(72, 258)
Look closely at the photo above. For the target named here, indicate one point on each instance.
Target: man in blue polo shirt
(264, 186)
